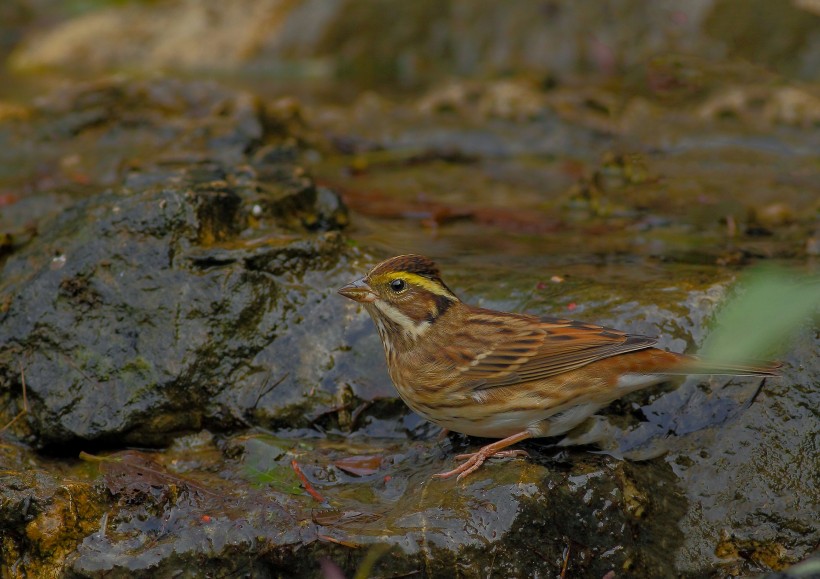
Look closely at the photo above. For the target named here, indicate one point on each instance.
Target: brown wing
(527, 348)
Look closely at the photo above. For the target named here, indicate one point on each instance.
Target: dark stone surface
(193, 294)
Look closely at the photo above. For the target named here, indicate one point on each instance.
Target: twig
(13, 420)
(305, 482)
(24, 411)
(566, 562)
(756, 392)
(266, 390)
(23, 381)
(330, 539)
(80, 372)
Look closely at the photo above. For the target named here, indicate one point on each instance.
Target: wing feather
(533, 348)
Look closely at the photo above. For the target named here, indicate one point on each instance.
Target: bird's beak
(358, 291)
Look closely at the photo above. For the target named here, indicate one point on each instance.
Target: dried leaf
(360, 465)
(133, 473)
(330, 517)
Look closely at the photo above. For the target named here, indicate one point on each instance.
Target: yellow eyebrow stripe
(414, 279)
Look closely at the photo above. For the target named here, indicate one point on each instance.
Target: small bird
(505, 375)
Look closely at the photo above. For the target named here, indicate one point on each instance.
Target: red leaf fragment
(305, 482)
(359, 465)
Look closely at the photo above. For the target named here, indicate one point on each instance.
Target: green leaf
(766, 314)
(262, 466)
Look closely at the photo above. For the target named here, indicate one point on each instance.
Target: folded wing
(526, 348)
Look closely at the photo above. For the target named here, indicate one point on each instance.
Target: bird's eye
(398, 285)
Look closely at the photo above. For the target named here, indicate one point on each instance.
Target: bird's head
(403, 295)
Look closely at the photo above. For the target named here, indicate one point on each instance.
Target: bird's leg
(499, 454)
(476, 459)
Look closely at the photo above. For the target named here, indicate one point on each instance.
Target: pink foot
(476, 459)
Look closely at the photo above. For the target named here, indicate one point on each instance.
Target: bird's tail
(740, 368)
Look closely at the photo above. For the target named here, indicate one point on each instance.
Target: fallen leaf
(359, 465)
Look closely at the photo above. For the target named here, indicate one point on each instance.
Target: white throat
(411, 328)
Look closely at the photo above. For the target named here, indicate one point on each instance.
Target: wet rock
(43, 520)
(86, 137)
(204, 500)
(196, 293)
(754, 477)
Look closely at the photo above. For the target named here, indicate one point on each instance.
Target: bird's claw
(499, 454)
(475, 460)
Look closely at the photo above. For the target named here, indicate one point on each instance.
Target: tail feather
(739, 368)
